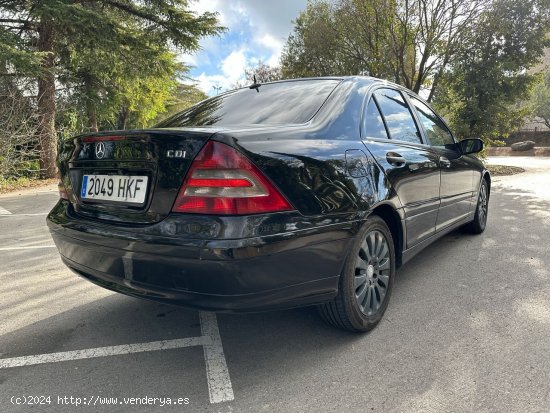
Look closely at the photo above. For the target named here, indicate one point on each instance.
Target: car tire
(477, 226)
(366, 282)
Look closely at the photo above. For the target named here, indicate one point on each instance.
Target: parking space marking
(103, 352)
(30, 247)
(4, 211)
(219, 382)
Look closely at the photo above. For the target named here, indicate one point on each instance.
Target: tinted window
(398, 117)
(271, 104)
(374, 125)
(437, 132)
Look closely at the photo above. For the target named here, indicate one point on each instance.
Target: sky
(256, 32)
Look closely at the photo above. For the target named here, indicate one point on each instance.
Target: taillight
(89, 139)
(62, 191)
(223, 181)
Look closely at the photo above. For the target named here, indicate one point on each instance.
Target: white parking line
(102, 352)
(30, 247)
(219, 383)
(4, 211)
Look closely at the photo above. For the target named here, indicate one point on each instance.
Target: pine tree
(35, 33)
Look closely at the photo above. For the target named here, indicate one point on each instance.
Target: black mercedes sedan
(278, 195)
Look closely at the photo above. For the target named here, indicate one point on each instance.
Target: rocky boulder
(522, 146)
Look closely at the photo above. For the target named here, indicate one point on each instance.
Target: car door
(456, 189)
(392, 136)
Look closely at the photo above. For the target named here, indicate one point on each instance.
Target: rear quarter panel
(319, 176)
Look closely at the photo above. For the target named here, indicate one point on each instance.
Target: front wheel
(366, 282)
(477, 226)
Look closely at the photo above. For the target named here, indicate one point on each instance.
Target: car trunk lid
(128, 177)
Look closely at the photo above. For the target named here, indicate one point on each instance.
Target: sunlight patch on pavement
(4, 211)
(537, 309)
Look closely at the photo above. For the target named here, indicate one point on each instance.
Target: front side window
(374, 125)
(397, 115)
(438, 134)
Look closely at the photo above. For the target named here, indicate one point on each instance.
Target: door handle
(395, 159)
(444, 162)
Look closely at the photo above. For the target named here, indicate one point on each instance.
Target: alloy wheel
(372, 272)
(483, 204)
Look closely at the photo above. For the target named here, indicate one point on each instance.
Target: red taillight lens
(62, 191)
(89, 139)
(223, 181)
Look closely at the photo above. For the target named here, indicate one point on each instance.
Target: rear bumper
(262, 273)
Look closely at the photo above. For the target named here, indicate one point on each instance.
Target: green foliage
(368, 32)
(407, 41)
(112, 94)
(12, 57)
(489, 77)
(129, 79)
(11, 183)
(540, 98)
(112, 61)
(184, 97)
(313, 47)
(471, 56)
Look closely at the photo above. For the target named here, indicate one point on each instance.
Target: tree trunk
(92, 117)
(435, 84)
(122, 119)
(92, 120)
(90, 103)
(46, 103)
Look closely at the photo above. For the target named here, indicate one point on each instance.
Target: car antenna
(255, 85)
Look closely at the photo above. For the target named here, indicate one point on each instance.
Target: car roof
(352, 78)
(347, 77)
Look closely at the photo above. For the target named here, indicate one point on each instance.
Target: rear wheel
(366, 282)
(477, 226)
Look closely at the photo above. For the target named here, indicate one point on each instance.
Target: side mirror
(471, 146)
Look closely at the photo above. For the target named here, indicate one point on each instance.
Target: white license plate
(117, 188)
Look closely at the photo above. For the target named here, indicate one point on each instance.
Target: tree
(540, 99)
(112, 93)
(262, 72)
(313, 48)
(432, 31)
(33, 32)
(184, 97)
(490, 74)
(18, 124)
(408, 41)
(365, 34)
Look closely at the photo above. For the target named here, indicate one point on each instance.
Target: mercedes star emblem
(99, 150)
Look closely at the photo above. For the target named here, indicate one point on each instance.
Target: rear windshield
(291, 102)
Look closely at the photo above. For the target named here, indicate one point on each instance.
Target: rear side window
(397, 115)
(374, 125)
(283, 103)
(437, 132)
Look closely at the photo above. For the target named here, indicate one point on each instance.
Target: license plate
(117, 188)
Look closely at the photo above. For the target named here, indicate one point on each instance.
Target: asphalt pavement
(467, 330)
